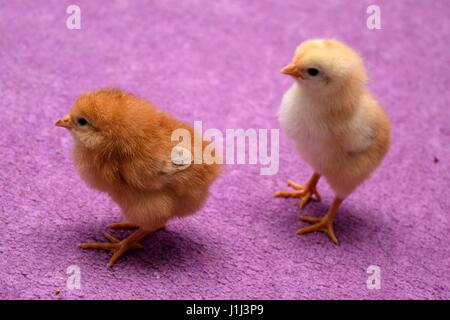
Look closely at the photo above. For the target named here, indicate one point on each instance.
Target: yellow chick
(338, 127)
(123, 147)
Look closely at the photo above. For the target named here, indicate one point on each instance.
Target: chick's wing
(157, 159)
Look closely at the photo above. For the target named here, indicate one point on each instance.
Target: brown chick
(338, 127)
(123, 147)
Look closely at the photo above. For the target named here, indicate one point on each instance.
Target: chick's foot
(118, 247)
(318, 224)
(305, 193)
(324, 224)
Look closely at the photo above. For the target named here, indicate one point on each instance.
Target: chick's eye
(82, 121)
(313, 72)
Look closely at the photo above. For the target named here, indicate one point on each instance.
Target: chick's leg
(118, 247)
(324, 224)
(305, 193)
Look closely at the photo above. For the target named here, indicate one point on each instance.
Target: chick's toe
(118, 247)
(324, 224)
(305, 193)
(319, 224)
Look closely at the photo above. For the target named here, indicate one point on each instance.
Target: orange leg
(305, 193)
(119, 247)
(324, 224)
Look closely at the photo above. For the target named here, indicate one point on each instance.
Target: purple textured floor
(202, 60)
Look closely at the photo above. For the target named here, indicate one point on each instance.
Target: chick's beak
(64, 122)
(292, 70)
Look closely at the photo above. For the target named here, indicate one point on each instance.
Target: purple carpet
(218, 62)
